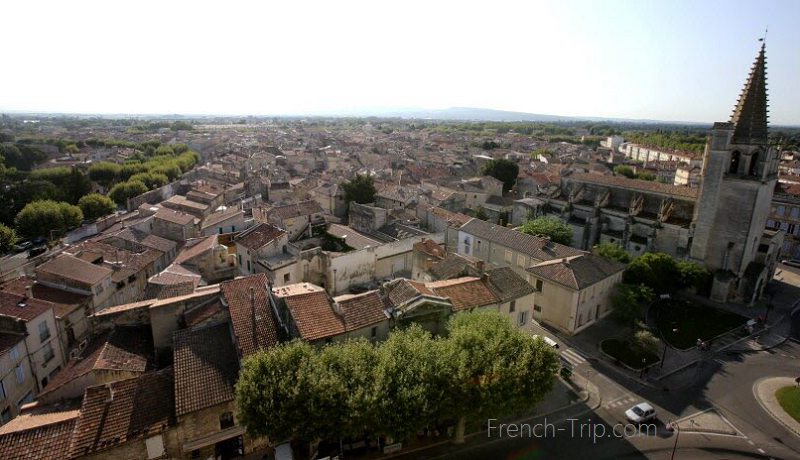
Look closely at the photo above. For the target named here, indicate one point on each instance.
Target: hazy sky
(668, 60)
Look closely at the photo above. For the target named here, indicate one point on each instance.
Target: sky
(673, 60)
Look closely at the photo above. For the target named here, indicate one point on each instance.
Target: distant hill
(479, 114)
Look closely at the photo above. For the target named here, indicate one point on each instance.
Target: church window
(735, 159)
(753, 163)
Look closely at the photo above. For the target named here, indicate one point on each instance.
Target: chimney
(479, 265)
(29, 291)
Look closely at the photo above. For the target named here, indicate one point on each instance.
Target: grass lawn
(693, 322)
(621, 350)
(789, 397)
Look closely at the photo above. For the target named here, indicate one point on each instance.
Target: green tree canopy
(95, 205)
(493, 368)
(275, 392)
(151, 180)
(121, 192)
(626, 171)
(664, 274)
(360, 189)
(409, 383)
(628, 302)
(550, 227)
(105, 173)
(503, 170)
(480, 213)
(40, 218)
(22, 156)
(8, 237)
(645, 175)
(613, 251)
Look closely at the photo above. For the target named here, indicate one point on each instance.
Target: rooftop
(206, 368)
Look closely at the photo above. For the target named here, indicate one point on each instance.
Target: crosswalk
(573, 357)
(621, 402)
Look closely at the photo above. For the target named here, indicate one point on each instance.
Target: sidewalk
(764, 391)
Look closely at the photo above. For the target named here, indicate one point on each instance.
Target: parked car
(39, 241)
(23, 246)
(36, 251)
(552, 343)
(640, 413)
(791, 262)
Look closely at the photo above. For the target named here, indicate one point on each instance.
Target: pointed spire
(750, 114)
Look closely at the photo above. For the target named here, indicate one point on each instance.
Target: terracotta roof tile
(259, 236)
(19, 306)
(577, 272)
(64, 302)
(237, 296)
(534, 246)
(362, 310)
(303, 208)
(71, 267)
(465, 293)
(123, 411)
(314, 316)
(49, 442)
(206, 368)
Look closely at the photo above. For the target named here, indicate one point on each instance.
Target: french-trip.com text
(574, 429)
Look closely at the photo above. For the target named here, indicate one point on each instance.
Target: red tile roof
(71, 267)
(259, 236)
(64, 302)
(465, 293)
(22, 307)
(314, 316)
(48, 442)
(206, 368)
(126, 348)
(124, 411)
(362, 310)
(236, 294)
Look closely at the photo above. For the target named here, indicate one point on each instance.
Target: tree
(645, 175)
(480, 213)
(626, 171)
(613, 251)
(41, 218)
(123, 191)
(503, 170)
(656, 270)
(131, 169)
(549, 227)
(360, 189)
(343, 389)
(691, 274)
(105, 173)
(628, 301)
(409, 383)
(151, 180)
(643, 342)
(7, 238)
(274, 392)
(96, 205)
(493, 368)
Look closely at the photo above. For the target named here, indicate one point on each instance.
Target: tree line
(482, 367)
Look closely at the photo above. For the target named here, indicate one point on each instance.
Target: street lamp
(677, 434)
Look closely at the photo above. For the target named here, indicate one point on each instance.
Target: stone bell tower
(738, 179)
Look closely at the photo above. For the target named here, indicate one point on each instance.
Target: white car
(547, 340)
(640, 413)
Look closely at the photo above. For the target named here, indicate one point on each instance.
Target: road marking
(751, 442)
(762, 451)
(573, 357)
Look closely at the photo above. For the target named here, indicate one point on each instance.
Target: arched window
(735, 159)
(753, 164)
